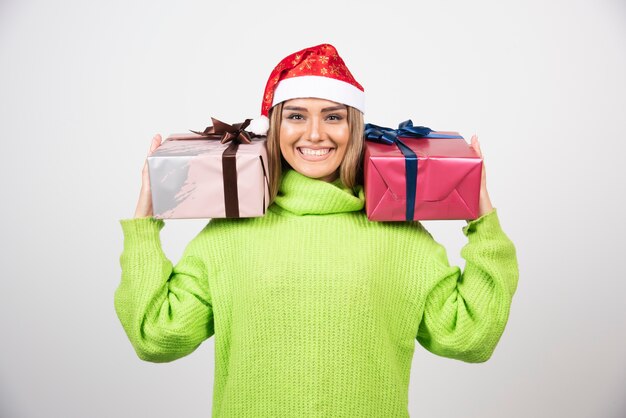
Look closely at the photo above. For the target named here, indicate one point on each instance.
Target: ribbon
(226, 133)
(235, 134)
(389, 136)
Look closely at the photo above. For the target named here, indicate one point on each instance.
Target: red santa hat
(317, 72)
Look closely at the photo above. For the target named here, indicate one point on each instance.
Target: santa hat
(317, 72)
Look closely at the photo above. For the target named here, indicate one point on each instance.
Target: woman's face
(314, 136)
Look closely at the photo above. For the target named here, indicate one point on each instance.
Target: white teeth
(318, 152)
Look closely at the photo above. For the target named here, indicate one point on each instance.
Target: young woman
(314, 309)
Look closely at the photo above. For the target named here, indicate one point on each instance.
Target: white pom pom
(259, 126)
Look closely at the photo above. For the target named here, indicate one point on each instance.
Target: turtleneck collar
(302, 195)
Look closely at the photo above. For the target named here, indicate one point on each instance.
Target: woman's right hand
(144, 205)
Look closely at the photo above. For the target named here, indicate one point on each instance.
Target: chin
(319, 174)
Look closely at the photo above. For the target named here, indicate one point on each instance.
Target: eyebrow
(326, 109)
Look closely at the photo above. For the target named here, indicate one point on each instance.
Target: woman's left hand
(484, 205)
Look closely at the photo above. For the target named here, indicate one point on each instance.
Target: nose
(314, 129)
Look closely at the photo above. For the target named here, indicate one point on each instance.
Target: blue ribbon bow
(389, 136)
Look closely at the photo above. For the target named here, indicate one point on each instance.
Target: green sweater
(315, 310)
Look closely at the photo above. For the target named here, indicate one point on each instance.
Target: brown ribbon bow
(226, 133)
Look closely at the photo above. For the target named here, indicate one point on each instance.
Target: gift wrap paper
(448, 180)
(186, 178)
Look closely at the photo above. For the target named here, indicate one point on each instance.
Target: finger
(144, 169)
(145, 177)
(156, 142)
(476, 145)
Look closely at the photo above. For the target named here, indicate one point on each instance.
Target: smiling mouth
(314, 152)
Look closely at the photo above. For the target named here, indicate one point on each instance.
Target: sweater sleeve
(166, 311)
(466, 312)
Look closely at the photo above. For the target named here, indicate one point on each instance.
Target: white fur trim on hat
(259, 126)
(319, 87)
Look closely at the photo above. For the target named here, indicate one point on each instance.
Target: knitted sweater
(314, 309)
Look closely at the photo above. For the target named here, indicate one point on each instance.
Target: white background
(85, 85)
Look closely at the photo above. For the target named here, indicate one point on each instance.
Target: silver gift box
(195, 177)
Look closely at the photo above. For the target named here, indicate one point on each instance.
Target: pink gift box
(448, 180)
(187, 178)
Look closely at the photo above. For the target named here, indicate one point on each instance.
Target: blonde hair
(350, 169)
